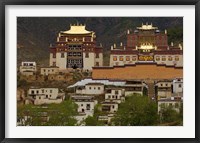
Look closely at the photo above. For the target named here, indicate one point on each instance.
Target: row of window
(46, 96)
(121, 58)
(37, 91)
(95, 88)
(48, 70)
(74, 61)
(158, 58)
(164, 58)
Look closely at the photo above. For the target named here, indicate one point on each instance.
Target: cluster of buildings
(112, 93)
(144, 65)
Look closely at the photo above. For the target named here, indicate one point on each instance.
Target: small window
(46, 96)
(161, 84)
(94, 88)
(37, 91)
(87, 55)
(163, 58)
(116, 92)
(115, 58)
(134, 58)
(108, 96)
(90, 88)
(62, 55)
(97, 55)
(121, 58)
(127, 58)
(49, 95)
(54, 55)
(99, 88)
(176, 58)
(113, 106)
(39, 97)
(97, 64)
(81, 104)
(157, 58)
(166, 84)
(179, 85)
(170, 58)
(32, 92)
(44, 70)
(50, 91)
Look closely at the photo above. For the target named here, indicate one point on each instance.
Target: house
(39, 96)
(115, 94)
(178, 86)
(134, 87)
(90, 89)
(109, 107)
(164, 89)
(28, 68)
(49, 70)
(174, 102)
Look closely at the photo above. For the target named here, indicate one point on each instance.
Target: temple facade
(76, 48)
(147, 44)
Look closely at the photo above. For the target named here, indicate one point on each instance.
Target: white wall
(94, 89)
(61, 62)
(89, 62)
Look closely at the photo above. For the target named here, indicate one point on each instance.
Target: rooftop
(77, 29)
(147, 27)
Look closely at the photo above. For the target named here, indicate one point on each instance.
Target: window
(121, 58)
(170, 58)
(37, 91)
(127, 58)
(113, 96)
(87, 55)
(97, 55)
(113, 106)
(88, 107)
(62, 55)
(94, 88)
(90, 88)
(134, 58)
(179, 85)
(114, 58)
(81, 104)
(54, 55)
(44, 70)
(116, 92)
(161, 84)
(157, 58)
(32, 91)
(176, 58)
(163, 58)
(97, 63)
(39, 97)
(166, 84)
(176, 105)
(108, 96)
(42, 90)
(46, 96)
(49, 95)
(99, 88)
(50, 91)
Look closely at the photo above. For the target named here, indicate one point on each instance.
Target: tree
(48, 115)
(169, 115)
(137, 110)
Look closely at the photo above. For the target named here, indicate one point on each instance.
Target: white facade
(46, 95)
(88, 62)
(169, 60)
(115, 94)
(110, 107)
(90, 89)
(85, 104)
(174, 103)
(49, 70)
(178, 85)
(164, 89)
(28, 68)
(61, 62)
(120, 60)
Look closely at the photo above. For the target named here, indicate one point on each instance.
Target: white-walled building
(28, 68)
(134, 87)
(90, 89)
(110, 107)
(76, 47)
(164, 89)
(115, 94)
(174, 102)
(49, 70)
(41, 96)
(178, 85)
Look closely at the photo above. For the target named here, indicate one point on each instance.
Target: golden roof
(77, 29)
(146, 47)
(147, 27)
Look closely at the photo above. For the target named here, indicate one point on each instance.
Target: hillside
(35, 34)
